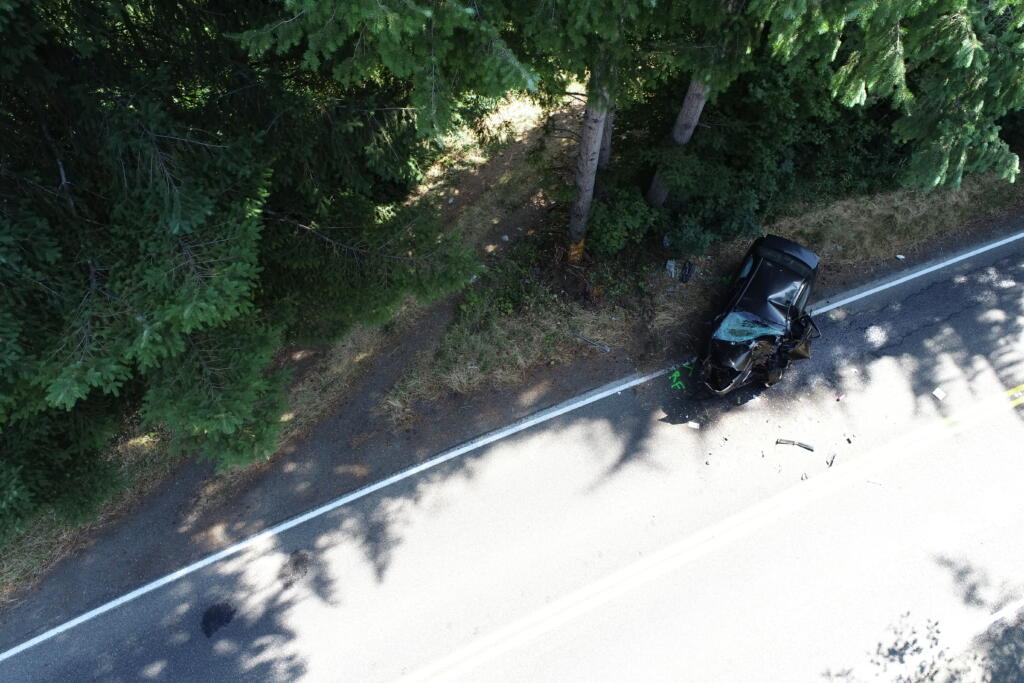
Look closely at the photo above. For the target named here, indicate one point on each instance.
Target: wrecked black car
(764, 325)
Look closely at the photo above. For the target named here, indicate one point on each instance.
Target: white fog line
(543, 416)
(479, 442)
(815, 310)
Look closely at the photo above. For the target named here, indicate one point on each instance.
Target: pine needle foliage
(173, 208)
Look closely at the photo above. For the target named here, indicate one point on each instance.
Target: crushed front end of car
(764, 326)
(730, 365)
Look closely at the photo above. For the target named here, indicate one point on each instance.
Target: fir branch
(187, 140)
(363, 251)
(284, 21)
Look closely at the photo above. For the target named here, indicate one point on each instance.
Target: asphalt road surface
(617, 542)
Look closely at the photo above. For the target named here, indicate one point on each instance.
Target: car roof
(774, 283)
(770, 292)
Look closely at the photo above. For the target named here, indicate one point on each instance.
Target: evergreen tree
(607, 44)
(171, 209)
(951, 67)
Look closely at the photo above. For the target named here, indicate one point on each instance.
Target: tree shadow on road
(914, 649)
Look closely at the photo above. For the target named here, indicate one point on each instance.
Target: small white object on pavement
(939, 393)
(693, 425)
(900, 256)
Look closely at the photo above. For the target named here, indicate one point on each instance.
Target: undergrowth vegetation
(774, 144)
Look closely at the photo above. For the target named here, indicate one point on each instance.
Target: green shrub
(622, 218)
(774, 140)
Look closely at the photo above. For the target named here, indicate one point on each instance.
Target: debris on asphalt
(693, 425)
(900, 256)
(599, 345)
(803, 477)
(504, 238)
(831, 460)
(840, 397)
(939, 393)
(790, 442)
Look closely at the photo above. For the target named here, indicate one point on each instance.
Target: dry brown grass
(869, 229)
(501, 354)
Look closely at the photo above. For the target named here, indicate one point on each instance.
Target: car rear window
(785, 260)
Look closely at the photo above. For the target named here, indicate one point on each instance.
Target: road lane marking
(474, 444)
(828, 306)
(522, 631)
(1016, 395)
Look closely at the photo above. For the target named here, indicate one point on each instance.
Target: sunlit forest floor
(529, 319)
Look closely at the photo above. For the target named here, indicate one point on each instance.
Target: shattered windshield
(739, 327)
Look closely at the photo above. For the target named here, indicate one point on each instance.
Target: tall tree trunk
(586, 164)
(682, 131)
(604, 159)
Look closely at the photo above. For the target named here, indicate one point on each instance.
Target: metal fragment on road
(831, 460)
(790, 442)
